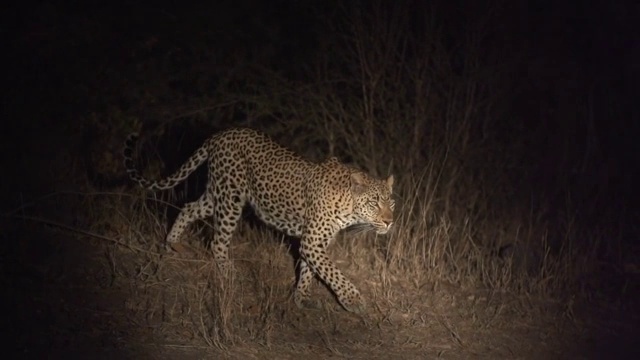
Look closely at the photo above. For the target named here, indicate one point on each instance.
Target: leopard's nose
(385, 226)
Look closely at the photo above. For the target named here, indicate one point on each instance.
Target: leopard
(311, 201)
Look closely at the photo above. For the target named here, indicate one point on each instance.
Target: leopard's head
(372, 202)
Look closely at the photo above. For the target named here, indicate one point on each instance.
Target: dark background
(569, 87)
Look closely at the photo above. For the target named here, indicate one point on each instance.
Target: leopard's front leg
(312, 252)
(301, 296)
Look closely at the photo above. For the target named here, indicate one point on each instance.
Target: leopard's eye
(372, 203)
(392, 204)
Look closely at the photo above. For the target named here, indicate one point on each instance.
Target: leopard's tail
(169, 182)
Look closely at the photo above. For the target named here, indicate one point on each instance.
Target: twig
(97, 236)
(83, 232)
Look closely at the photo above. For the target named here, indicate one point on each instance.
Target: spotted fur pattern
(309, 200)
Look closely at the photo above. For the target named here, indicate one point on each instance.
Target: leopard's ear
(390, 183)
(358, 183)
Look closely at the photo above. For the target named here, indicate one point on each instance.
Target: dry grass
(418, 287)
